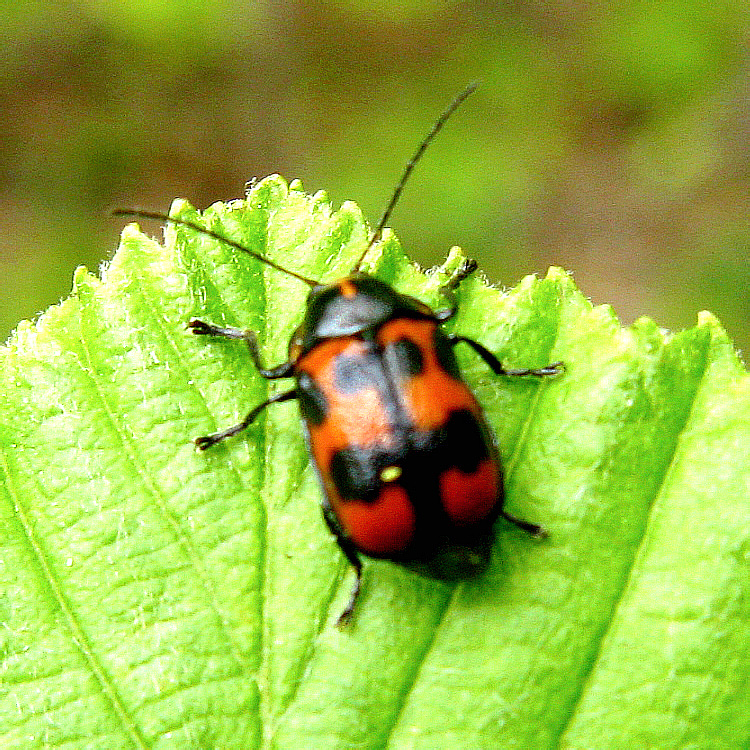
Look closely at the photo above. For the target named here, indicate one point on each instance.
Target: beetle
(407, 463)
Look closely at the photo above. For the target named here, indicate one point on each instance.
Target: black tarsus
(534, 529)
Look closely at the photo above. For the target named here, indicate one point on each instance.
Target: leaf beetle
(407, 463)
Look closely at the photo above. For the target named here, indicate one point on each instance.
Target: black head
(351, 306)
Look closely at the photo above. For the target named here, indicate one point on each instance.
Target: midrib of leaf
(271, 718)
(79, 635)
(509, 470)
(628, 580)
(336, 237)
(271, 705)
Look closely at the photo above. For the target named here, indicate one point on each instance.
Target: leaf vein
(628, 580)
(156, 493)
(79, 635)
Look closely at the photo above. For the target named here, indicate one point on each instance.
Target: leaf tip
(453, 260)
(180, 206)
(131, 231)
(707, 319)
(80, 277)
(559, 275)
(351, 210)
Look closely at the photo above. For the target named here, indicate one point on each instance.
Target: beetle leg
(449, 288)
(350, 552)
(208, 440)
(201, 328)
(530, 528)
(497, 367)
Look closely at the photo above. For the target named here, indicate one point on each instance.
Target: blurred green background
(612, 139)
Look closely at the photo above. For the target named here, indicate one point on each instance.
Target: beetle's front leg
(202, 328)
(448, 290)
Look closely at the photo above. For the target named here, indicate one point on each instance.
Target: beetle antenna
(450, 109)
(202, 230)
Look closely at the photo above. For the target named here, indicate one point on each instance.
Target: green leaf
(151, 596)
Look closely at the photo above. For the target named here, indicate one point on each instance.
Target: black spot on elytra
(465, 441)
(312, 401)
(356, 473)
(407, 357)
(445, 355)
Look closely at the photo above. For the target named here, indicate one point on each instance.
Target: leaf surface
(151, 596)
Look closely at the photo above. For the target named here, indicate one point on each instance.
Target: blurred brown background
(610, 139)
